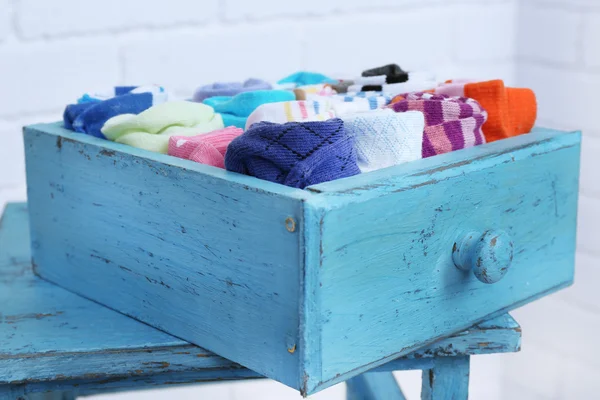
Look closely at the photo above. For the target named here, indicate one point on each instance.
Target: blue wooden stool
(57, 345)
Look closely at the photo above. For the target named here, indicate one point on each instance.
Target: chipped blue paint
(54, 340)
(447, 380)
(210, 256)
(488, 255)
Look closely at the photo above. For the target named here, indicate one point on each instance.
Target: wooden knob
(489, 255)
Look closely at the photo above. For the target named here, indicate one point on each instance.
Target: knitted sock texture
(296, 154)
(229, 88)
(293, 111)
(236, 109)
(308, 91)
(511, 111)
(159, 94)
(350, 103)
(151, 129)
(392, 72)
(208, 148)
(383, 138)
(89, 117)
(451, 123)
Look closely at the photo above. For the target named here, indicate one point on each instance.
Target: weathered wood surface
(387, 240)
(52, 339)
(447, 380)
(204, 256)
(285, 281)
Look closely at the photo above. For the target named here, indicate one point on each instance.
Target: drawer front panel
(388, 281)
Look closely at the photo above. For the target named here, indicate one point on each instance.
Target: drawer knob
(489, 255)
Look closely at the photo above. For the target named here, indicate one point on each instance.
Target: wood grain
(208, 255)
(77, 349)
(387, 281)
(447, 380)
(204, 257)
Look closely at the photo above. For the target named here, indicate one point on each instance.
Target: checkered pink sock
(208, 148)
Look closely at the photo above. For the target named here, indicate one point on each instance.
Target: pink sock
(454, 88)
(208, 154)
(451, 89)
(208, 148)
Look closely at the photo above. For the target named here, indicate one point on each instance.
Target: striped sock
(293, 111)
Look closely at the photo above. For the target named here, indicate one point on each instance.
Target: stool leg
(373, 386)
(448, 380)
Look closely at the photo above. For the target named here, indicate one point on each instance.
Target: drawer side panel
(207, 260)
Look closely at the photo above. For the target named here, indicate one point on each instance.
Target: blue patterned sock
(296, 154)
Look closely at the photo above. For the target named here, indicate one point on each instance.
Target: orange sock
(511, 111)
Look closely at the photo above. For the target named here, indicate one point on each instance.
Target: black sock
(371, 88)
(392, 72)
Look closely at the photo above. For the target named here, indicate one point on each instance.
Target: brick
(4, 19)
(534, 373)
(485, 32)
(516, 391)
(584, 292)
(12, 194)
(182, 62)
(564, 96)
(479, 71)
(548, 34)
(44, 77)
(485, 377)
(581, 380)
(238, 9)
(63, 17)
(574, 5)
(12, 157)
(588, 221)
(242, 9)
(588, 181)
(347, 46)
(559, 329)
(410, 382)
(591, 40)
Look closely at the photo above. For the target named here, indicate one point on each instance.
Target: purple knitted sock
(229, 88)
(296, 154)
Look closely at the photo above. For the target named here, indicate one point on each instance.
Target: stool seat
(52, 340)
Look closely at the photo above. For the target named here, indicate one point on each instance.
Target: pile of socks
(309, 128)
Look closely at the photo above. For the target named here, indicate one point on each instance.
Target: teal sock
(302, 78)
(236, 109)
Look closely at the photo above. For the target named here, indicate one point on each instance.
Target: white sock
(290, 111)
(383, 138)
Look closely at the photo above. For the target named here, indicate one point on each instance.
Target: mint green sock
(151, 129)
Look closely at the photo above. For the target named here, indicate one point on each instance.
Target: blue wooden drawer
(284, 281)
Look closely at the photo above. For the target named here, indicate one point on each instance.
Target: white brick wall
(559, 56)
(51, 51)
